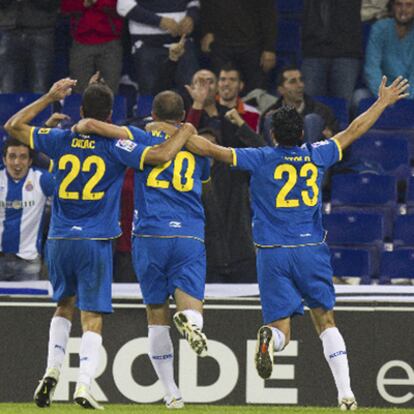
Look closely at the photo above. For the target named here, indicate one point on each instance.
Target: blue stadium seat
(398, 116)
(144, 106)
(404, 230)
(338, 106)
(72, 103)
(409, 199)
(351, 262)
(289, 40)
(390, 134)
(354, 228)
(366, 193)
(289, 7)
(391, 154)
(10, 103)
(397, 266)
(364, 190)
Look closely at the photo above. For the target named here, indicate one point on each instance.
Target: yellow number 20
(292, 178)
(87, 192)
(181, 181)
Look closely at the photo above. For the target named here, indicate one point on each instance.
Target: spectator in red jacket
(96, 30)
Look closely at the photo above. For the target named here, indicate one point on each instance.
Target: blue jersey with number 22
(89, 176)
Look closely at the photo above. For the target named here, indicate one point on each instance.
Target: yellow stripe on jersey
(51, 165)
(339, 148)
(234, 162)
(31, 143)
(142, 160)
(130, 136)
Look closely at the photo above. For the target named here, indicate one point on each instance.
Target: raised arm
(205, 148)
(386, 96)
(197, 144)
(88, 126)
(159, 154)
(18, 125)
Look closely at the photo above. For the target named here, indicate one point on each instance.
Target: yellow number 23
(282, 199)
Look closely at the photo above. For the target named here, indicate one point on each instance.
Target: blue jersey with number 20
(286, 191)
(168, 196)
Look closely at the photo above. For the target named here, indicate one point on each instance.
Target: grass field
(190, 409)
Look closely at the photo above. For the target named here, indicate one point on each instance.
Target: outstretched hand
(61, 88)
(393, 93)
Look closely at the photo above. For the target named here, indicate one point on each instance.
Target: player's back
(168, 196)
(286, 191)
(89, 178)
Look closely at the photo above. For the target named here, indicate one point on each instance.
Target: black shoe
(264, 352)
(44, 391)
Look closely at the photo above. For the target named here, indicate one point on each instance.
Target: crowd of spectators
(221, 57)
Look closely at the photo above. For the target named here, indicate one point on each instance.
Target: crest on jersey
(28, 186)
(44, 130)
(126, 144)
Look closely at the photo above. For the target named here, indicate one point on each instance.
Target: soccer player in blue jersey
(85, 218)
(168, 250)
(293, 260)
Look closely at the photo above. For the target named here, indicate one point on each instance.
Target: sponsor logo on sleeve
(126, 144)
(44, 130)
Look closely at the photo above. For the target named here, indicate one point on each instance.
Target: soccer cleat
(348, 404)
(83, 398)
(174, 403)
(44, 391)
(264, 352)
(192, 333)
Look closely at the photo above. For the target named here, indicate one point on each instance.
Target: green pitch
(57, 408)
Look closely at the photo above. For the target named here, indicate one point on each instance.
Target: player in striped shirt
(23, 194)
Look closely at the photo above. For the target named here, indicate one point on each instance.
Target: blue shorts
(290, 276)
(82, 268)
(165, 264)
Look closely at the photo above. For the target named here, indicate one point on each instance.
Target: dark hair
(230, 66)
(97, 101)
(287, 126)
(13, 142)
(281, 75)
(168, 106)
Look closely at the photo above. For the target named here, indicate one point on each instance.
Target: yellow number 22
(87, 193)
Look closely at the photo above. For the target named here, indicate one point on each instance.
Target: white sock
(278, 338)
(59, 332)
(161, 354)
(335, 354)
(89, 357)
(195, 317)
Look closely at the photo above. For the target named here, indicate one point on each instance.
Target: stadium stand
(397, 267)
(339, 107)
(404, 231)
(10, 103)
(357, 192)
(351, 264)
(399, 116)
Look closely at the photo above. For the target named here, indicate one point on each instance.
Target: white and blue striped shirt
(21, 211)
